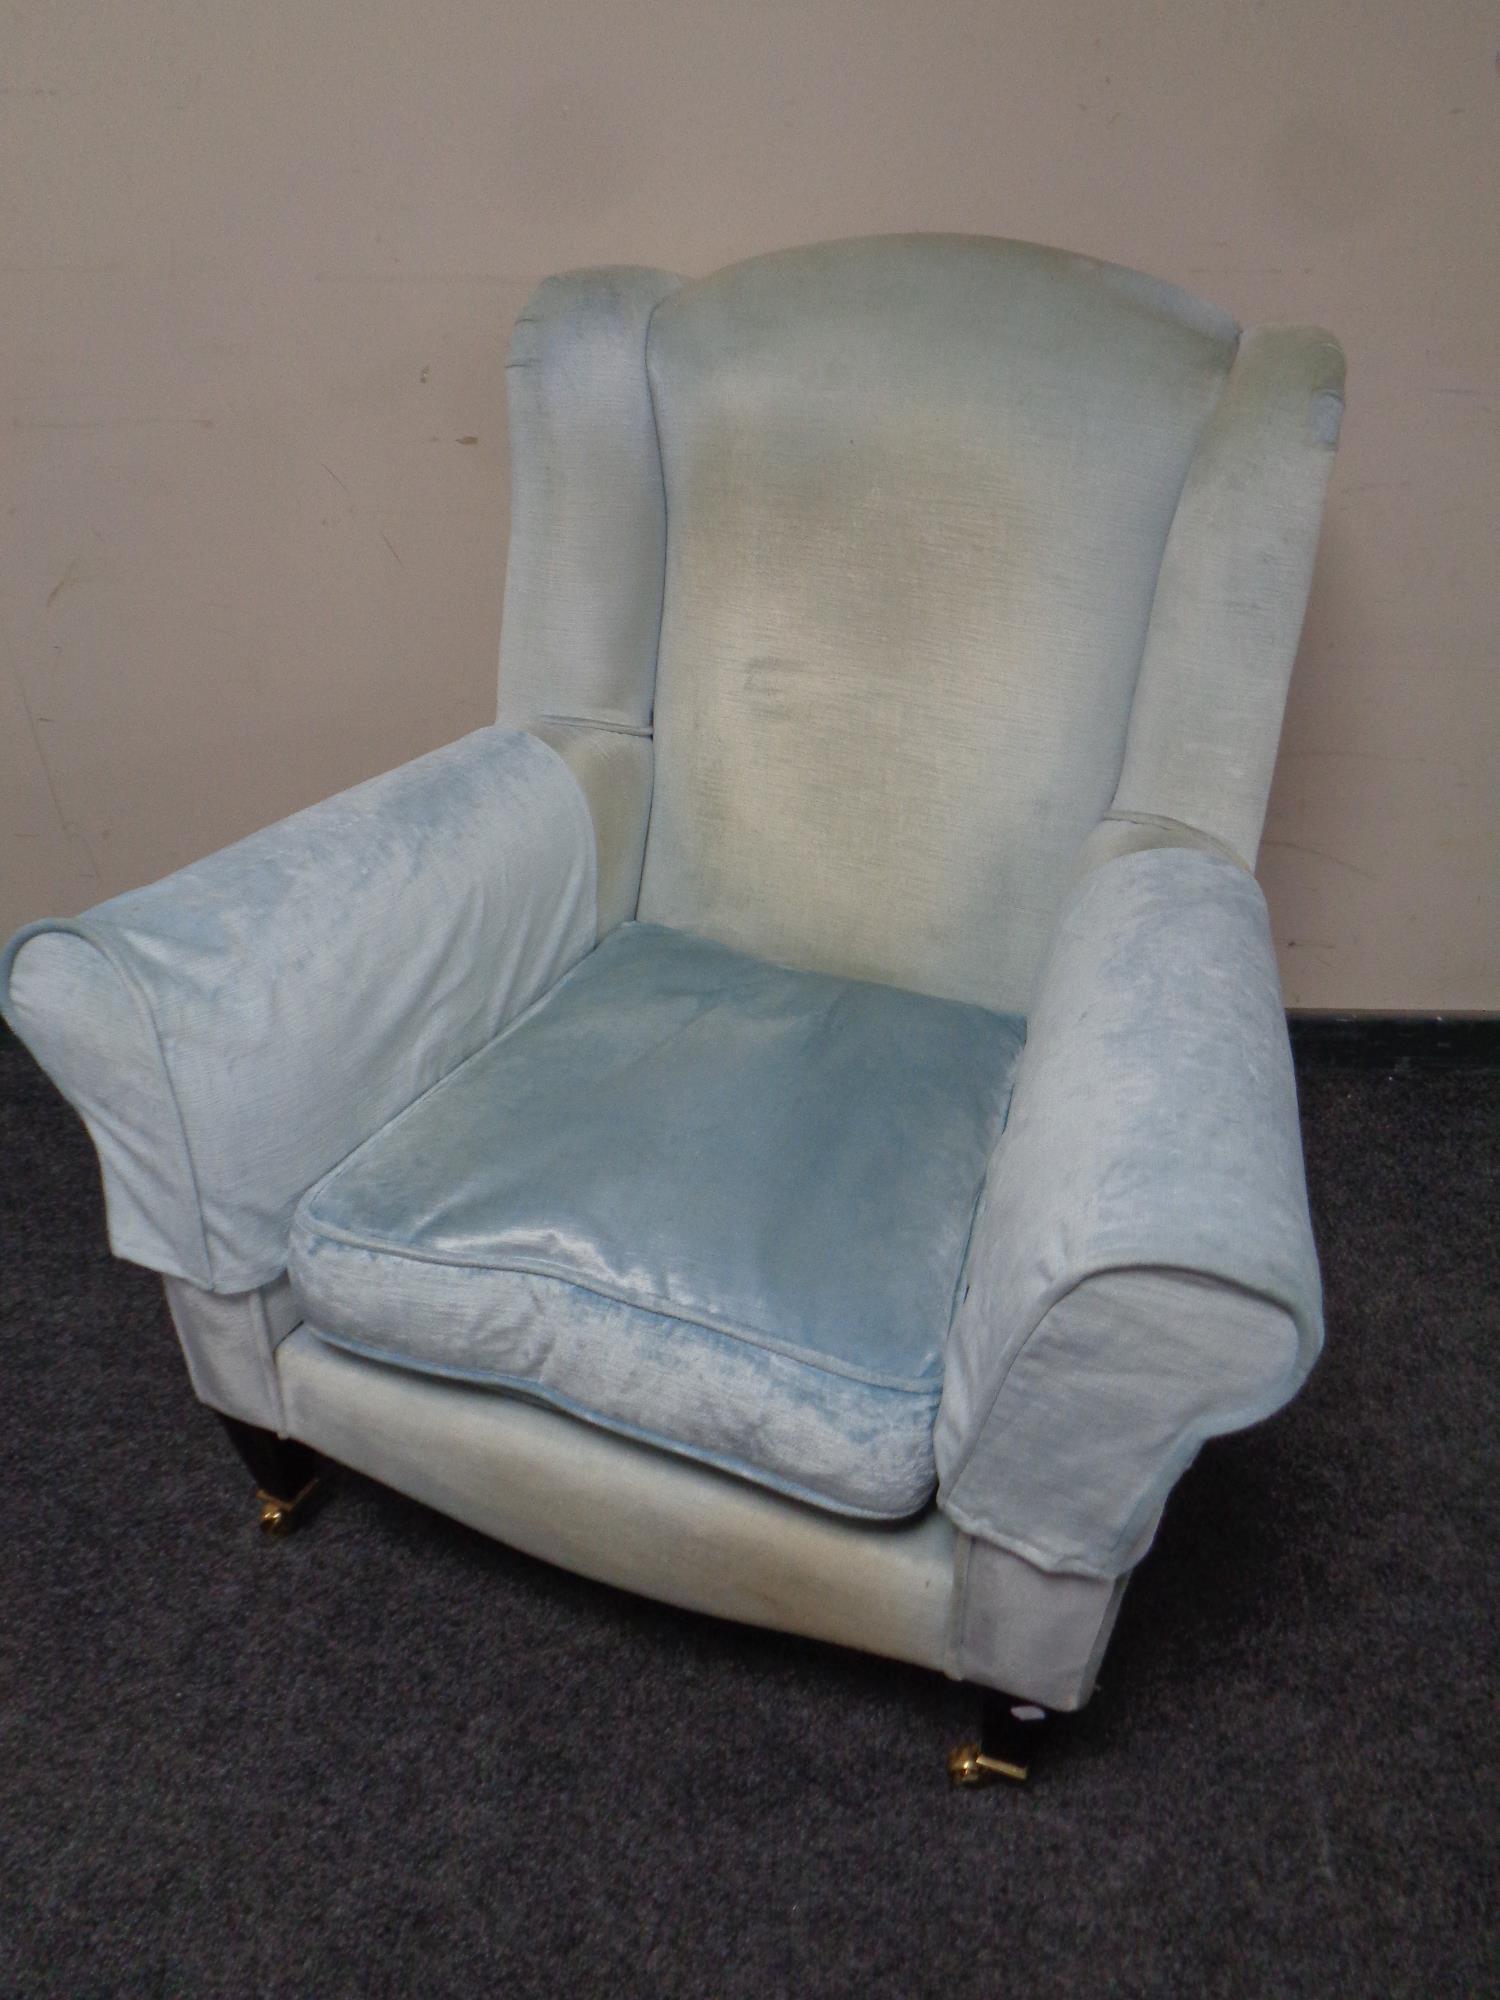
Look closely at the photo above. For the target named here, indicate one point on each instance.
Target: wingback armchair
(797, 1119)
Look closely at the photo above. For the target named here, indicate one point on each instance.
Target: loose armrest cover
(1141, 1272)
(231, 1032)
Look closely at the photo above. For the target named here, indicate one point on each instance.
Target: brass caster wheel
(1012, 1731)
(968, 1765)
(279, 1517)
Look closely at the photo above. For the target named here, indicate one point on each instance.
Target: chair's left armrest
(231, 1032)
(1142, 1272)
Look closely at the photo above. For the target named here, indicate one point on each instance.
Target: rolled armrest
(231, 1032)
(1141, 1273)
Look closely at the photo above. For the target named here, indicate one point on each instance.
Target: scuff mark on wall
(72, 574)
(105, 423)
(1320, 854)
(73, 835)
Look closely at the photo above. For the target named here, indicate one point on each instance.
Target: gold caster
(1012, 1731)
(279, 1517)
(968, 1765)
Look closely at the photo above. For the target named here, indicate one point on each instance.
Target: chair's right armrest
(1142, 1273)
(230, 1033)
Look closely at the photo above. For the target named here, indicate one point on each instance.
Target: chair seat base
(647, 1521)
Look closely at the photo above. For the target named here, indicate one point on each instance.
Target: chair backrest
(917, 493)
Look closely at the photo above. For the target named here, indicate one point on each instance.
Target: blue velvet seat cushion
(696, 1198)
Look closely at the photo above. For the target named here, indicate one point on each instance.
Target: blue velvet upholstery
(694, 1197)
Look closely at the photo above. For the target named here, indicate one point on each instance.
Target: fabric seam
(556, 1399)
(1118, 816)
(642, 730)
(662, 1308)
(666, 550)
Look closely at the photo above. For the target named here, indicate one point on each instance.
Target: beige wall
(260, 261)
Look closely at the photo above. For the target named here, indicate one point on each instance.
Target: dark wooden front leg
(1010, 1732)
(285, 1472)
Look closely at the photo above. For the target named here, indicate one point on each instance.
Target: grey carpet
(389, 1757)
